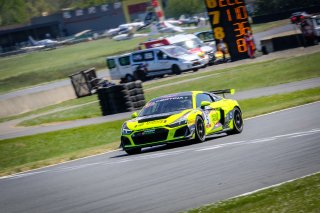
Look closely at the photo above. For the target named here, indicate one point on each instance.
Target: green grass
(20, 154)
(69, 103)
(38, 67)
(243, 77)
(43, 149)
(256, 28)
(301, 195)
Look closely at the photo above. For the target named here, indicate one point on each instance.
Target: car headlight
(180, 121)
(125, 130)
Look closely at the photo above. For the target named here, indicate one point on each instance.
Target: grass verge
(24, 153)
(243, 77)
(44, 66)
(301, 195)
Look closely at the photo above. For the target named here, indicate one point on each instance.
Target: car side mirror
(134, 115)
(204, 104)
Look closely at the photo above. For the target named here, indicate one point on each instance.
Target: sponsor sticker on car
(149, 132)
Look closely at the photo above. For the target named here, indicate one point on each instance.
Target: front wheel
(200, 135)
(176, 70)
(237, 122)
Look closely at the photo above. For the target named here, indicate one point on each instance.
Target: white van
(154, 62)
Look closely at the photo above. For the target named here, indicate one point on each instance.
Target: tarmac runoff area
(178, 178)
(52, 93)
(8, 129)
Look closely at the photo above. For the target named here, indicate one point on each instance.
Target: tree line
(21, 11)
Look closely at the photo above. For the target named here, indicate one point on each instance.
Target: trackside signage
(229, 23)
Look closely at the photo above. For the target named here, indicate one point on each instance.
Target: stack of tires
(121, 98)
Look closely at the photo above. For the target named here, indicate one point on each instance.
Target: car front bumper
(157, 136)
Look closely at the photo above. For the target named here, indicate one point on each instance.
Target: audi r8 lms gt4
(181, 116)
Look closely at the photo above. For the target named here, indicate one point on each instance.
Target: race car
(180, 117)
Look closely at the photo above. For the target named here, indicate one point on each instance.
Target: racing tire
(139, 91)
(200, 134)
(176, 69)
(138, 84)
(140, 97)
(237, 122)
(133, 151)
(195, 70)
(130, 85)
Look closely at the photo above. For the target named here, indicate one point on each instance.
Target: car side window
(124, 61)
(148, 56)
(202, 97)
(161, 55)
(137, 57)
(111, 63)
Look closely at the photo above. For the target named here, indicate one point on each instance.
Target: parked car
(188, 41)
(154, 62)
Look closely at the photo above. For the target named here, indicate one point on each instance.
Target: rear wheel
(140, 74)
(129, 78)
(176, 70)
(133, 151)
(200, 134)
(237, 122)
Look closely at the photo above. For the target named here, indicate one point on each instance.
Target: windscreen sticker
(173, 98)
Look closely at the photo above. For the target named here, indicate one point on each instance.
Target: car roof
(179, 94)
(155, 48)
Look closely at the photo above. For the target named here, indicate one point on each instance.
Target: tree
(275, 6)
(12, 12)
(176, 8)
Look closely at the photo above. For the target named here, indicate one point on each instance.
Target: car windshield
(190, 44)
(167, 104)
(176, 51)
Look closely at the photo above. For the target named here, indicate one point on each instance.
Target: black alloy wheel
(237, 122)
(200, 134)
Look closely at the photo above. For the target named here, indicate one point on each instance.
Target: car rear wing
(223, 91)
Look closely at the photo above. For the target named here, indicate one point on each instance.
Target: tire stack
(121, 98)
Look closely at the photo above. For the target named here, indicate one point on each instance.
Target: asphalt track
(8, 131)
(272, 149)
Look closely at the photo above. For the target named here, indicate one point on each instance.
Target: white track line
(33, 171)
(272, 186)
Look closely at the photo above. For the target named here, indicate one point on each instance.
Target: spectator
(250, 44)
(223, 48)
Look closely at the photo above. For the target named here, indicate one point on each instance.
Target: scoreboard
(229, 22)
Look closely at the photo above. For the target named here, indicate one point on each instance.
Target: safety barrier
(121, 98)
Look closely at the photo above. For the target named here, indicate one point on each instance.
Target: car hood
(189, 57)
(155, 121)
(206, 49)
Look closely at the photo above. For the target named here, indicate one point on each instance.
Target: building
(71, 21)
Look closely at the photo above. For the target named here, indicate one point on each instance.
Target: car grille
(183, 131)
(125, 141)
(143, 138)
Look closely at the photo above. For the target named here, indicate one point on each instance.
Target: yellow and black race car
(179, 117)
